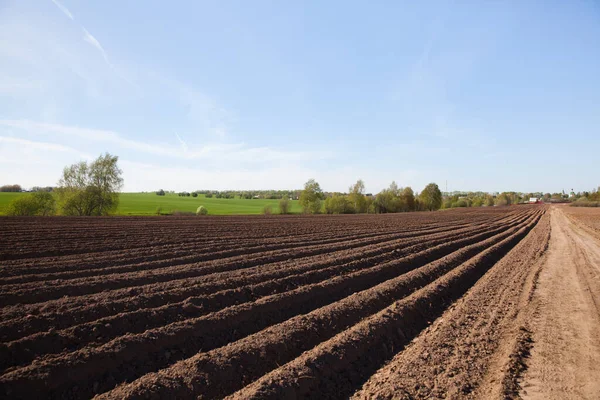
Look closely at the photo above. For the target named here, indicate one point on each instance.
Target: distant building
(533, 200)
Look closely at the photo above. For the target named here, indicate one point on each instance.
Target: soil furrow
(10, 330)
(220, 372)
(338, 366)
(135, 351)
(108, 328)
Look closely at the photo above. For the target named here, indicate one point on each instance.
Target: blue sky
(192, 95)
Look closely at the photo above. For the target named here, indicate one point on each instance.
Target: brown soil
(565, 358)
(269, 307)
(452, 357)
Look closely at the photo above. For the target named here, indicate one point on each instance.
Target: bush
(584, 202)
(477, 202)
(194, 194)
(267, 209)
(160, 193)
(201, 211)
(284, 206)
(39, 203)
(208, 195)
(460, 203)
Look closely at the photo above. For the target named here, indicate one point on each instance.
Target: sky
(475, 95)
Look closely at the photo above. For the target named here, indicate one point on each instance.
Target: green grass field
(148, 203)
(6, 198)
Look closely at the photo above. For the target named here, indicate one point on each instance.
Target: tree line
(478, 199)
(87, 189)
(390, 200)
(11, 188)
(588, 199)
(241, 194)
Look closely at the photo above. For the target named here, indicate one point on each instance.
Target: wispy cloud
(94, 42)
(64, 10)
(34, 144)
(184, 145)
(202, 111)
(216, 152)
(91, 39)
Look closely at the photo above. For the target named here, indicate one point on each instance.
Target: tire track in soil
(565, 329)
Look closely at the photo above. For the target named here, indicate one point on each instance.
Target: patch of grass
(6, 198)
(149, 203)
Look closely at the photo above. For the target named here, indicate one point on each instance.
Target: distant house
(533, 200)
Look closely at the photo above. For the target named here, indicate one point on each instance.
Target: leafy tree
(594, 196)
(338, 204)
(504, 199)
(461, 203)
(386, 202)
(284, 206)
(477, 202)
(369, 204)
(418, 205)
(90, 189)
(357, 197)
(311, 197)
(160, 193)
(447, 202)
(407, 199)
(39, 203)
(431, 197)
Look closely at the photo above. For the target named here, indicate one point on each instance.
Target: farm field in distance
(421, 304)
(147, 204)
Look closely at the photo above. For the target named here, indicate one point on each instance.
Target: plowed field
(412, 305)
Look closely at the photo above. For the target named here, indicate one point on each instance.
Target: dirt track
(419, 304)
(565, 358)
